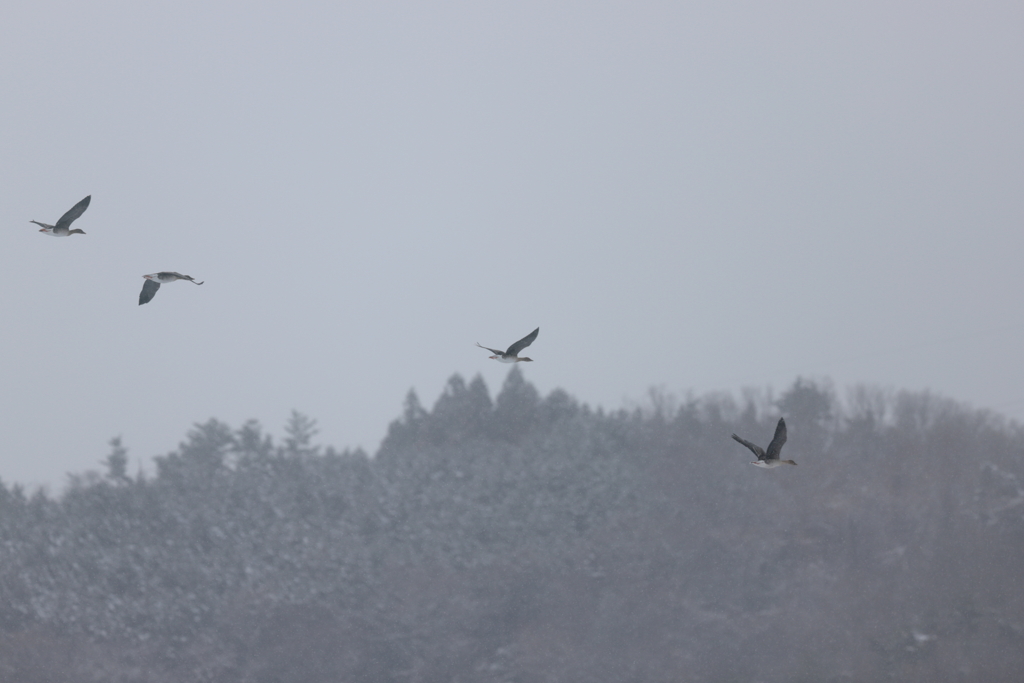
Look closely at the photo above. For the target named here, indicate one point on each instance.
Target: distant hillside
(531, 538)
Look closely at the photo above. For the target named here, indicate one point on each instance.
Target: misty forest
(532, 539)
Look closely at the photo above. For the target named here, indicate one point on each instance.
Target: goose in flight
(154, 280)
(769, 458)
(62, 229)
(511, 355)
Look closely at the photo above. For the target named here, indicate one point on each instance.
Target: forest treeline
(534, 539)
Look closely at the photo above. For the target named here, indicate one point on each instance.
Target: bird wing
(757, 450)
(73, 213)
(149, 288)
(523, 343)
(775, 447)
(494, 351)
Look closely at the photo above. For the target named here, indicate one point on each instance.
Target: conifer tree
(117, 462)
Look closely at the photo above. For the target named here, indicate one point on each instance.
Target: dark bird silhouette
(512, 354)
(769, 458)
(154, 280)
(62, 229)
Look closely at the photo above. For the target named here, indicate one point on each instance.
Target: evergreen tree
(461, 411)
(202, 456)
(300, 431)
(117, 462)
(515, 407)
(571, 545)
(252, 443)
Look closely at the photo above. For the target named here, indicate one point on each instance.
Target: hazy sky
(698, 196)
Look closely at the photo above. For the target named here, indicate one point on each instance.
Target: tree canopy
(531, 538)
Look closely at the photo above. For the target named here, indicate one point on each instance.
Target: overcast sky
(697, 196)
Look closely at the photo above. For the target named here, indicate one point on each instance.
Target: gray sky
(694, 196)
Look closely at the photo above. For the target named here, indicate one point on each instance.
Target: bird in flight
(769, 458)
(62, 229)
(512, 354)
(154, 280)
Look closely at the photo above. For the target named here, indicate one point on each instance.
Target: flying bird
(769, 458)
(512, 354)
(154, 280)
(62, 229)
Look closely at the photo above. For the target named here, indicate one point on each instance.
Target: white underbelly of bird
(772, 463)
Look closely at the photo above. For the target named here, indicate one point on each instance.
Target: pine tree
(117, 462)
(515, 407)
(300, 431)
